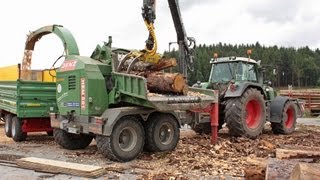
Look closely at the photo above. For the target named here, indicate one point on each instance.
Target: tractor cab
(233, 68)
(232, 75)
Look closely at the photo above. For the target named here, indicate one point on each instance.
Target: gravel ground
(193, 158)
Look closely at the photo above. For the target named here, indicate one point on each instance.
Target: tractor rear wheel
(16, 130)
(246, 115)
(8, 125)
(71, 141)
(288, 121)
(125, 142)
(162, 133)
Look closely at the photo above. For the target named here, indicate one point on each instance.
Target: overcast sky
(271, 22)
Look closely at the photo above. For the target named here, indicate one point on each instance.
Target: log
(159, 82)
(297, 153)
(164, 63)
(305, 171)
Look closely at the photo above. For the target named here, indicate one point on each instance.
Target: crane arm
(186, 44)
(149, 54)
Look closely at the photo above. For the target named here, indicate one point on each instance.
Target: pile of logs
(162, 82)
(298, 162)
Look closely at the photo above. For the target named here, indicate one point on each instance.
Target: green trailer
(25, 107)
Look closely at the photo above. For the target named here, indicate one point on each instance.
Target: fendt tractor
(105, 97)
(246, 101)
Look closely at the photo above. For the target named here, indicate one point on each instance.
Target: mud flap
(276, 108)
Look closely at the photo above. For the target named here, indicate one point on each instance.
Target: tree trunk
(159, 82)
(163, 64)
(305, 171)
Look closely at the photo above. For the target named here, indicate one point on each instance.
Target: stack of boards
(56, 167)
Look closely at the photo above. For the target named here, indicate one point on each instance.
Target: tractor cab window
(222, 72)
(246, 72)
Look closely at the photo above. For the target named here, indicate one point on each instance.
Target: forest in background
(298, 67)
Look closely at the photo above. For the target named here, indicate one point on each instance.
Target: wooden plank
(305, 171)
(54, 166)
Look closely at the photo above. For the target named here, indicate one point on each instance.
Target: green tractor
(246, 102)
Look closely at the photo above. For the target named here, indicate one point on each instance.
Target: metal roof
(233, 58)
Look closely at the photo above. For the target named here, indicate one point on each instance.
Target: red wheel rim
(253, 117)
(290, 118)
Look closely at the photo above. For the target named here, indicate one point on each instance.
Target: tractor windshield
(237, 70)
(222, 72)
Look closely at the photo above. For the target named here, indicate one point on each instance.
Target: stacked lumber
(55, 167)
(311, 98)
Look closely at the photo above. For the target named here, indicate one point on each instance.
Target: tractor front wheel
(71, 141)
(125, 142)
(246, 115)
(288, 121)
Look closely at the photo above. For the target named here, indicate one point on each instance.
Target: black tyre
(246, 115)
(71, 141)
(8, 125)
(162, 133)
(126, 141)
(50, 133)
(202, 128)
(288, 121)
(16, 130)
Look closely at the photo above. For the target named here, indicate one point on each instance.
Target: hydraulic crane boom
(149, 56)
(186, 44)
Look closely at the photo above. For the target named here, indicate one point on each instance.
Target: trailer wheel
(71, 141)
(16, 130)
(246, 115)
(288, 121)
(162, 133)
(8, 125)
(126, 141)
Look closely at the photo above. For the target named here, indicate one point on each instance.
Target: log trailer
(246, 100)
(105, 97)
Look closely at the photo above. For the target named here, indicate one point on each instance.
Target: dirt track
(194, 156)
